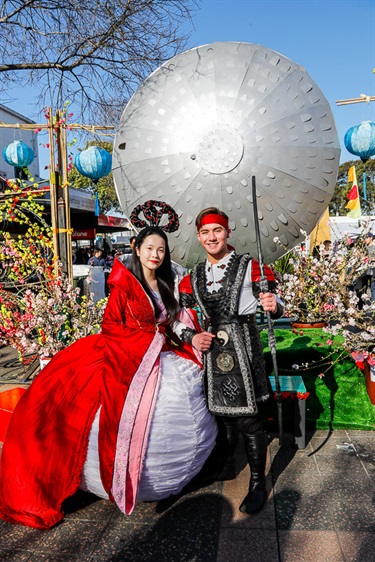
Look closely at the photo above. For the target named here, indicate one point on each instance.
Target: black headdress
(153, 212)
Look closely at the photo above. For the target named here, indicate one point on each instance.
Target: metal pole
(271, 333)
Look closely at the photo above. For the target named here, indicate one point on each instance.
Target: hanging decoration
(19, 155)
(94, 163)
(360, 140)
(97, 205)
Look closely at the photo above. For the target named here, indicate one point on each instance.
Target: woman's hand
(202, 341)
(269, 302)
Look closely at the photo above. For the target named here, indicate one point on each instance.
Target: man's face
(213, 238)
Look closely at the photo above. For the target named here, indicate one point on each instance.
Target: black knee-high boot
(256, 451)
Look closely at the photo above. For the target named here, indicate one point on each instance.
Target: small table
(295, 384)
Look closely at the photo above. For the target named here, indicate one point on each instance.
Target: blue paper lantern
(360, 140)
(93, 163)
(18, 154)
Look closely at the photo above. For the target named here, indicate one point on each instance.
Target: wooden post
(53, 190)
(65, 185)
(63, 246)
(62, 199)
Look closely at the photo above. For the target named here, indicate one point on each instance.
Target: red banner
(84, 234)
(118, 222)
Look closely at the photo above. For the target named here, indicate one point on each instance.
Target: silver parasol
(205, 122)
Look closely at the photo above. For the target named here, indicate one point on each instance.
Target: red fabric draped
(46, 442)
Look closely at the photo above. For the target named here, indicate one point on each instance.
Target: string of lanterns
(94, 162)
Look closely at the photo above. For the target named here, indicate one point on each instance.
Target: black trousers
(229, 429)
(241, 424)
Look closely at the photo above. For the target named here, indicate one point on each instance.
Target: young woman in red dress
(121, 414)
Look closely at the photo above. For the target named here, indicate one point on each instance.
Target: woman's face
(151, 252)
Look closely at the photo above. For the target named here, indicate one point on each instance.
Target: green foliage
(339, 199)
(105, 186)
(283, 265)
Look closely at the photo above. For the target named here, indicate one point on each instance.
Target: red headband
(214, 219)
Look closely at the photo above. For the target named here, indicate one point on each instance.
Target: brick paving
(321, 508)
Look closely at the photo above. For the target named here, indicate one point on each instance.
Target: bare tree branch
(91, 52)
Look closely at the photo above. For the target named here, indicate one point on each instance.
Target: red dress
(46, 443)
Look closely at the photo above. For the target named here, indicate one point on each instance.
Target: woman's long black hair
(164, 274)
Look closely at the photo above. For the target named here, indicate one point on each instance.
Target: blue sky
(333, 40)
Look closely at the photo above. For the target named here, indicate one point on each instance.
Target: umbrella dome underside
(205, 122)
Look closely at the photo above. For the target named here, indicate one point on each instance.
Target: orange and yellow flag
(354, 204)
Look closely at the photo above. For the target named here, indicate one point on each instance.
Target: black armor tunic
(234, 366)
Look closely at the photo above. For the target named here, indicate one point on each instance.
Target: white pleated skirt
(182, 434)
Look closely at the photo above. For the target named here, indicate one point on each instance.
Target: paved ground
(321, 508)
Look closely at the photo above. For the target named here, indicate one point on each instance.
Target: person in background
(82, 256)
(322, 250)
(226, 289)
(97, 260)
(132, 242)
(109, 261)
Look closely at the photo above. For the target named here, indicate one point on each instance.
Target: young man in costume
(226, 288)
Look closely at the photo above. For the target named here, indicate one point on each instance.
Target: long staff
(271, 332)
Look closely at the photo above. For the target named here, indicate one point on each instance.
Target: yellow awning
(321, 232)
